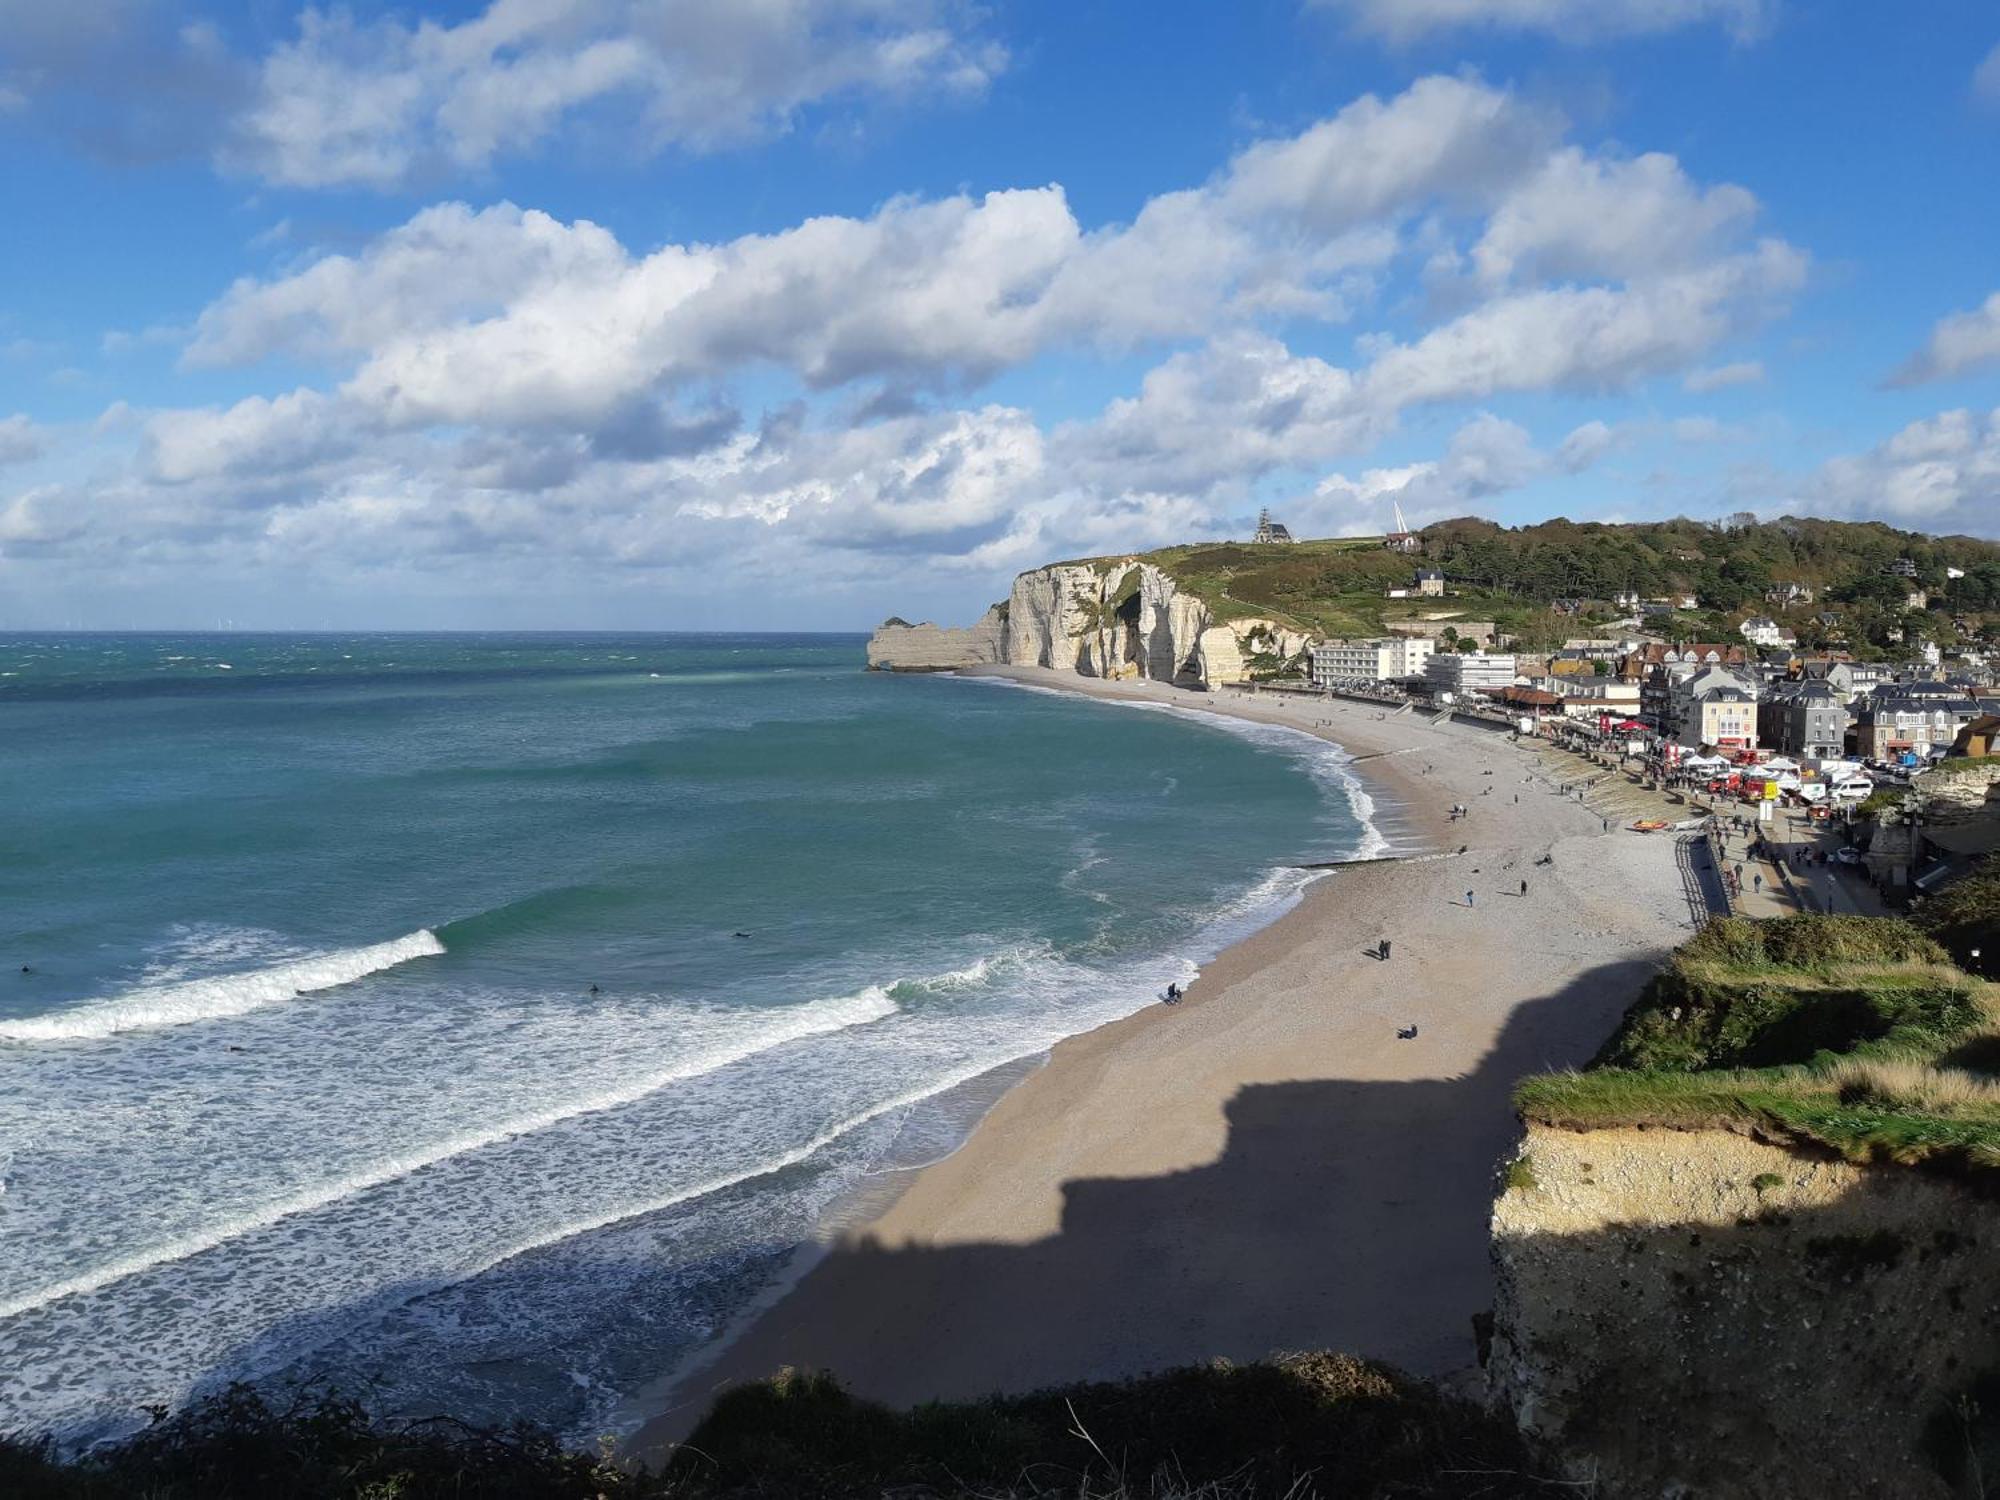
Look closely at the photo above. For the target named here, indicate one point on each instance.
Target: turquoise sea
(482, 1021)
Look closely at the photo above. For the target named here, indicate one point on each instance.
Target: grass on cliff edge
(1854, 1033)
(1296, 1426)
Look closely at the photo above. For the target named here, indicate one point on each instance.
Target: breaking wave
(871, 1004)
(219, 995)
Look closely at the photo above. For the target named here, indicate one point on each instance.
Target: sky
(793, 314)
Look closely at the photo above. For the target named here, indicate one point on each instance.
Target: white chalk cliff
(1114, 618)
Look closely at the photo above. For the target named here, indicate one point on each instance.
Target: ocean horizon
(482, 1021)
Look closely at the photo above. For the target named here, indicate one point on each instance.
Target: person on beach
(1468, 898)
(1524, 887)
(1383, 949)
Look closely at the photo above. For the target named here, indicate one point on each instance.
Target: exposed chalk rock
(1115, 618)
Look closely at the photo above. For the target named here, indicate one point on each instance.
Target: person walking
(1468, 898)
(1524, 887)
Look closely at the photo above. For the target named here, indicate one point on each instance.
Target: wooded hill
(1514, 575)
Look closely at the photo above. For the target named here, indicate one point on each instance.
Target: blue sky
(791, 313)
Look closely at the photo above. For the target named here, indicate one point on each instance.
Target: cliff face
(900, 647)
(1123, 618)
(1700, 1313)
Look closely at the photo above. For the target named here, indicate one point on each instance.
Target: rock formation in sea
(1115, 617)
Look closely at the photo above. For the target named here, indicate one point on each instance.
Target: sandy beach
(1267, 1166)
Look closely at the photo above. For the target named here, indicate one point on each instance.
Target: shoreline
(1010, 1262)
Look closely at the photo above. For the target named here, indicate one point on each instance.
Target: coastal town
(1816, 754)
(1814, 696)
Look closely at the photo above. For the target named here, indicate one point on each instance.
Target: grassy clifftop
(1856, 1034)
(1512, 574)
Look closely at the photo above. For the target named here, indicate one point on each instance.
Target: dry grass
(1916, 1087)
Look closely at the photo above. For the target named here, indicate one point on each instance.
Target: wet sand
(1268, 1165)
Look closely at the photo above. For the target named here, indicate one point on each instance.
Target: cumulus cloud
(1228, 413)
(1487, 457)
(1720, 377)
(1585, 216)
(371, 104)
(457, 301)
(20, 439)
(378, 103)
(1449, 138)
(1587, 338)
(1941, 474)
(499, 314)
(1960, 343)
(502, 389)
(447, 264)
(1402, 21)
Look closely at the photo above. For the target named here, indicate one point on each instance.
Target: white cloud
(1960, 343)
(447, 264)
(1941, 474)
(1585, 216)
(1585, 445)
(456, 303)
(1487, 457)
(380, 103)
(349, 102)
(502, 315)
(20, 440)
(1225, 414)
(1588, 338)
(282, 437)
(1986, 78)
(1442, 137)
(1720, 377)
(1403, 21)
(503, 391)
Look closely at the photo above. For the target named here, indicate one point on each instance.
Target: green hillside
(1852, 1034)
(1512, 575)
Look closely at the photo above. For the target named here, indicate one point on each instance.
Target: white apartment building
(1459, 673)
(1372, 660)
(1762, 630)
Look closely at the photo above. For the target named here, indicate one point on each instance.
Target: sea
(483, 1024)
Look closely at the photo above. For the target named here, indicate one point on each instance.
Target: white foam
(815, 1019)
(791, 1157)
(220, 995)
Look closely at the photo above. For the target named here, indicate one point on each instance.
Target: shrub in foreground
(1296, 1427)
(1299, 1425)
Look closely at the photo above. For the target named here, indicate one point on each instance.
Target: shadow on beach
(1341, 1215)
